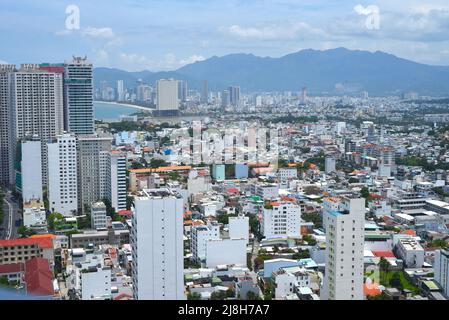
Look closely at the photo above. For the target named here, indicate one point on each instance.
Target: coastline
(124, 104)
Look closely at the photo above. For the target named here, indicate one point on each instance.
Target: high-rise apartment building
(343, 279)
(6, 120)
(182, 90)
(205, 92)
(441, 269)
(157, 245)
(234, 96)
(225, 102)
(167, 97)
(120, 91)
(117, 180)
(34, 107)
(93, 167)
(62, 175)
(29, 170)
(78, 96)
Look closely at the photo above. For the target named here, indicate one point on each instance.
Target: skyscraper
(117, 180)
(167, 97)
(6, 151)
(29, 170)
(32, 105)
(62, 175)
(441, 268)
(182, 90)
(120, 91)
(93, 167)
(78, 96)
(343, 279)
(205, 92)
(225, 102)
(234, 96)
(157, 246)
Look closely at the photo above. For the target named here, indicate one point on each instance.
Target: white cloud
(284, 31)
(3, 62)
(105, 33)
(90, 32)
(137, 62)
(192, 59)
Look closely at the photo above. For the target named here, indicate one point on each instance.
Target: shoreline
(124, 104)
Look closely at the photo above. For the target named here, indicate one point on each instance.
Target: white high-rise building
(167, 97)
(98, 216)
(120, 90)
(31, 104)
(343, 278)
(441, 269)
(157, 245)
(30, 182)
(62, 175)
(281, 219)
(329, 165)
(117, 182)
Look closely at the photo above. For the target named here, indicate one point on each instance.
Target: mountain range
(329, 72)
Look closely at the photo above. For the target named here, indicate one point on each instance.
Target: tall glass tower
(78, 95)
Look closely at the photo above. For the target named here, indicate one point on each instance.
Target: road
(11, 217)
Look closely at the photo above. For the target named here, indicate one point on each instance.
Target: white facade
(117, 185)
(239, 228)
(343, 278)
(286, 281)
(96, 284)
(329, 165)
(411, 252)
(266, 191)
(200, 235)
(167, 95)
(282, 220)
(157, 246)
(441, 269)
(287, 173)
(225, 252)
(34, 214)
(31, 171)
(98, 216)
(62, 175)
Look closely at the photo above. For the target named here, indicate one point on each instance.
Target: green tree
(218, 295)
(193, 296)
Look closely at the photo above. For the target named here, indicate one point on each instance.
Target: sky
(161, 35)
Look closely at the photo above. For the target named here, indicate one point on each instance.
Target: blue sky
(166, 34)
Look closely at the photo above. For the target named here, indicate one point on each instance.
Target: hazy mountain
(322, 72)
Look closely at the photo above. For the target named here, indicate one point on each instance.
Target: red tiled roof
(385, 254)
(233, 190)
(123, 296)
(11, 268)
(39, 277)
(43, 242)
(124, 212)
